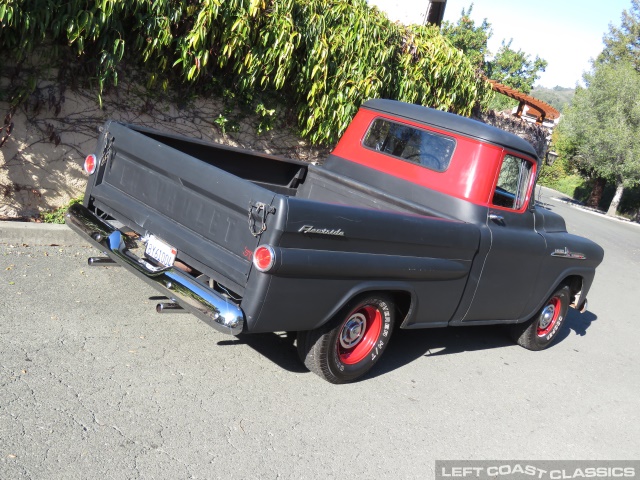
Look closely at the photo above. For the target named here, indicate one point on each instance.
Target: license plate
(160, 251)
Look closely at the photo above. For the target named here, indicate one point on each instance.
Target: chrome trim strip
(209, 306)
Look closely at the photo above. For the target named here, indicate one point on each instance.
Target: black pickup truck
(417, 219)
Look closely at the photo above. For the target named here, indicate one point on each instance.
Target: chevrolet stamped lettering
(417, 219)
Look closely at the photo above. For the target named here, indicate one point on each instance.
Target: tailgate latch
(107, 151)
(258, 217)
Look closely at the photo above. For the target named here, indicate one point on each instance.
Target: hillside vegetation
(557, 97)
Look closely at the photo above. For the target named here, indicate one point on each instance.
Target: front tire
(540, 331)
(351, 343)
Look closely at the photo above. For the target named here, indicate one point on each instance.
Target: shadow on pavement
(408, 345)
(405, 347)
(578, 323)
(277, 347)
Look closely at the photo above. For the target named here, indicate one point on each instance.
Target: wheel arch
(578, 283)
(403, 295)
(575, 284)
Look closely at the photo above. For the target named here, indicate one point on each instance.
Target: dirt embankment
(45, 140)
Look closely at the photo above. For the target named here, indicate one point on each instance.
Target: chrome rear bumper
(206, 304)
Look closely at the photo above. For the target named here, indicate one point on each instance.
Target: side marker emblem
(566, 253)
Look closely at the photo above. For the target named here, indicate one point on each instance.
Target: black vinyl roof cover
(453, 123)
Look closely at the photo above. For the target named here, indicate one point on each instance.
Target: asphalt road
(94, 384)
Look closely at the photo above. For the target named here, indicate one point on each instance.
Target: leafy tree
(623, 43)
(466, 36)
(600, 131)
(510, 67)
(515, 68)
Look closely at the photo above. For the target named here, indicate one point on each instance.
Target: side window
(513, 181)
(425, 148)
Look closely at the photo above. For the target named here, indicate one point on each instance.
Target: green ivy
(325, 57)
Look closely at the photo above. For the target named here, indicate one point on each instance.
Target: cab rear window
(429, 149)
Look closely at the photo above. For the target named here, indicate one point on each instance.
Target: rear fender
(391, 288)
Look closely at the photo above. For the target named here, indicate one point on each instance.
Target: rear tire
(540, 331)
(351, 343)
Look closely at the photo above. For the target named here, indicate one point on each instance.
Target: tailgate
(199, 209)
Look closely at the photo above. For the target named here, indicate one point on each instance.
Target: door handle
(499, 219)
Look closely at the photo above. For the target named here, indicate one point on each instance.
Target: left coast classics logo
(338, 232)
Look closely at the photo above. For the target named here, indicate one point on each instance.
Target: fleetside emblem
(338, 232)
(566, 253)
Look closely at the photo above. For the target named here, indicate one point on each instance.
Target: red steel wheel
(541, 330)
(549, 316)
(359, 334)
(349, 345)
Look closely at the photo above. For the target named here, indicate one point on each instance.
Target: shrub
(57, 215)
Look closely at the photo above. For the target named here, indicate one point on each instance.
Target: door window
(513, 183)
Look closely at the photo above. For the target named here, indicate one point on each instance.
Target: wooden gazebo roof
(541, 110)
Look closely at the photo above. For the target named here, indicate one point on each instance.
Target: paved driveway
(95, 384)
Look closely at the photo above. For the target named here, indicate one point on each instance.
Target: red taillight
(90, 164)
(264, 257)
